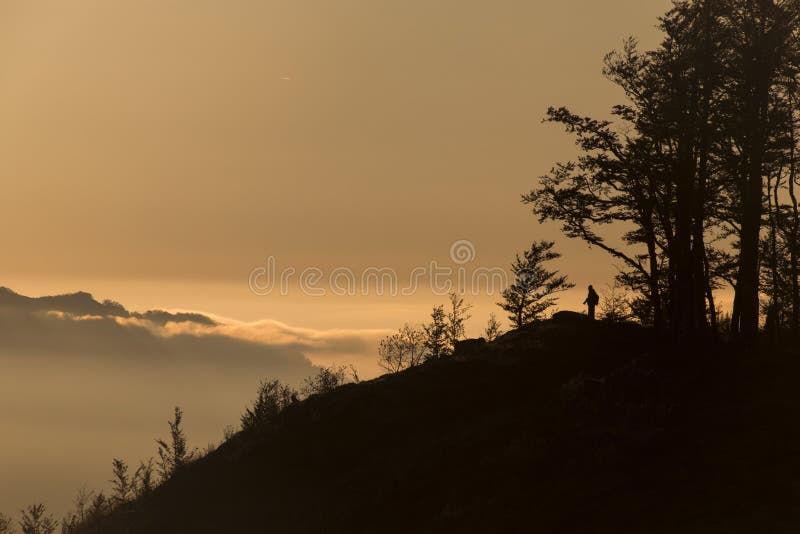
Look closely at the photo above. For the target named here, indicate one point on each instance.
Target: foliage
(36, 520)
(143, 480)
(273, 397)
(457, 316)
(436, 343)
(326, 380)
(674, 186)
(402, 350)
(122, 485)
(493, 328)
(6, 524)
(531, 292)
(614, 304)
(173, 454)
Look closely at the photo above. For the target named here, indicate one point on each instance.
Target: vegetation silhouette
(708, 133)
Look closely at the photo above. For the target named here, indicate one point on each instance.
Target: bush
(273, 397)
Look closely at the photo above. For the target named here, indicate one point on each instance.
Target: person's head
(591, 288)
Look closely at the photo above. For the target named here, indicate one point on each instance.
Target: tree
(531, 293)
(36, 520)
(143, 481)
(121, 483)
(684, 164)
(273, 397)
(493, 328)
(76, 520)
(764, 34)
(326, 380)
(436, 345)
(6, 524)
(173, 454)
(100, 508)
(614, 305)
(402, 350)
(457, 316)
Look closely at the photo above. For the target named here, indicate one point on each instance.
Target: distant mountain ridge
(83, 303)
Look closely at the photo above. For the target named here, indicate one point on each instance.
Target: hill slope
(569, 426)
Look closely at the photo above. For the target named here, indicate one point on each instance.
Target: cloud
(318, 343)
(76, 324)
(92, 381)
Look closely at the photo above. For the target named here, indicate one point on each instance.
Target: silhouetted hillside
(566, 426)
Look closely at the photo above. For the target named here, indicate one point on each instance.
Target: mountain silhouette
(82, 303)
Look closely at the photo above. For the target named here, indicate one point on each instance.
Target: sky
(151, 149)
(161, 152)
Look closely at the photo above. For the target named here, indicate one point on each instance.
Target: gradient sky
(156, 151)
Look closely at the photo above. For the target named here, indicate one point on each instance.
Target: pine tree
(531, 293)
(436, 334)
(121, 482)
(36, 520)
(493, 328)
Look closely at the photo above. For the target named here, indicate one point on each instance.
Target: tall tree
(762, 34)
(684, 164)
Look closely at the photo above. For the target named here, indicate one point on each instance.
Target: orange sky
(157, 151)
(148, 147)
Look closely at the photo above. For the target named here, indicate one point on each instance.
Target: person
(592, 300)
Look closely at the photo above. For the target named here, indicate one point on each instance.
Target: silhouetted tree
(531, 293)
(493, 328)
(326, 380)
(173, 454)
(121, 483)
(614, 304)
(100, 508)
(36, 520)
(6, 524)
(403, 349)
(76, 520)
(143, 480)
(457, 315)
(273, 397)
(704, 125)
(436, 345)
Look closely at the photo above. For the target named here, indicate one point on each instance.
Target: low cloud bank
(85, 381)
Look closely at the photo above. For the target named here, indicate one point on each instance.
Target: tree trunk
(793, 233)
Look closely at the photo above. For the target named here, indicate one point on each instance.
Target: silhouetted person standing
(592, 300)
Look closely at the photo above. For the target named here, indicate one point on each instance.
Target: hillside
(567, 426)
